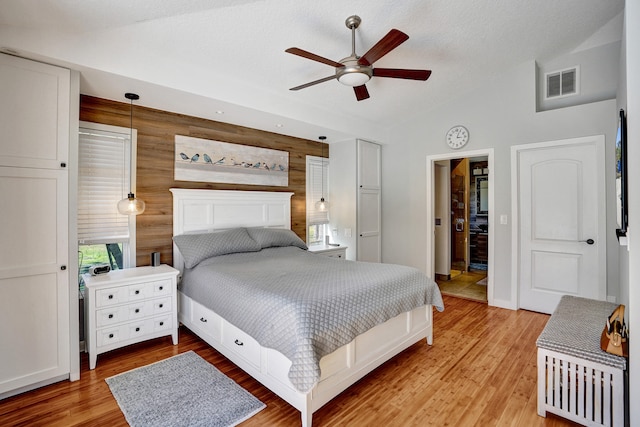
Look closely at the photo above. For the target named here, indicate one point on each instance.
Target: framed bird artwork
(206, 160)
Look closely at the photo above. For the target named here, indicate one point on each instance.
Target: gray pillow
(272, 237)
(198, 247)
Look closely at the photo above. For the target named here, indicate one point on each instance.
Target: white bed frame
(211, 210)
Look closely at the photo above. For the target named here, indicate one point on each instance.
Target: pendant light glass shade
(130, 205)
(322, 205)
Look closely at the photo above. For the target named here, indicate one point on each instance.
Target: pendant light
(130, 205)
(322, 205)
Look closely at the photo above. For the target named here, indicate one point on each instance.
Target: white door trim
(488, 152)
(515, 224)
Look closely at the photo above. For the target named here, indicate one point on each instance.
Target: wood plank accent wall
(155, 157)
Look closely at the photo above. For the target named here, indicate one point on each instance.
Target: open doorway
(459, 215)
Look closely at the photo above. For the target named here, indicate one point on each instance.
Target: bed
(280, 312)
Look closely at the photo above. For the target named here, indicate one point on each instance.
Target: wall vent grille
(562, 83)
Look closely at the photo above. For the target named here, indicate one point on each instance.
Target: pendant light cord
(131, 97)
(322, 138)
(130, 142)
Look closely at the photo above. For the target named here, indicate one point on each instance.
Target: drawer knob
(137, 310)
(110, 297)
(161, 323)
(160, 305)
(137, 291)
(138, 329)
(111, 316)
(238, 342)
(110, 335)
(161, 287)
(203, 320)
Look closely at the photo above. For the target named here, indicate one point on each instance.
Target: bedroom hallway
(480, 371)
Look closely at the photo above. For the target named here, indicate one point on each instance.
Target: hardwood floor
(480, 371)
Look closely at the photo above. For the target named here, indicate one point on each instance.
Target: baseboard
(510, 305)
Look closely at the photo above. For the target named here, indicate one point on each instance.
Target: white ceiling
(201, 56)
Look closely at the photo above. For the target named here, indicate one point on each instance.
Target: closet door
(34, 242)
(369, 203)
(34, 114)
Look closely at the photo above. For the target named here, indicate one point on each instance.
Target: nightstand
(330, 251)
(128, 306)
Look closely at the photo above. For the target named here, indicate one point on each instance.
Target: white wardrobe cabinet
(36, 269)
(355, 196)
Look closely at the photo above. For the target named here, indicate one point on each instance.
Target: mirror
(482, 195)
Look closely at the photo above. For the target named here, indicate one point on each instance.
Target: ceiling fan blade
(393, 39)
(399, 73)
(361, 92)
(313, 57)
(315, 82)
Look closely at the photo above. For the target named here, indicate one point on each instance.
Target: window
(104, 235)
(317, 187)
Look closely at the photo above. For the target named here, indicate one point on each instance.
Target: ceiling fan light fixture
(354, 78)
(353, 74)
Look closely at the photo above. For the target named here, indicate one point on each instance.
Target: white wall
(500, 114)
(598, 76)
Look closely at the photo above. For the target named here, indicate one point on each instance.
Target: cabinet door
(369, 226)
(368, 165)
(369, 203)
(34, 278)
(34, 113)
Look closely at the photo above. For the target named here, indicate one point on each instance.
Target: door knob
(589, 241)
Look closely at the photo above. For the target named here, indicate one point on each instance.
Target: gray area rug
(183, 390)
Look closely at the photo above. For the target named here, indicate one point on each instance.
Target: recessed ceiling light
(219, 112)
(279, 125)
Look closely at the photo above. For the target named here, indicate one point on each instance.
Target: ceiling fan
(356, 70)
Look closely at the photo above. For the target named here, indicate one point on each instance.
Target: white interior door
(562, 248)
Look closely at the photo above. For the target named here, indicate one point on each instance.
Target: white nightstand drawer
(161, 305)
(113, 315)
(110, 316)
(161, 287)
(111, 296)
(240, 342)
(110, 336)
(139, 309)
(139, 291)
(163, 323)
(339, 252)
(138, 329)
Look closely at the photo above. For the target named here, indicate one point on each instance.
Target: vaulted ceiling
(226, 60)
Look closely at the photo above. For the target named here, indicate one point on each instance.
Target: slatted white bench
(576, 379)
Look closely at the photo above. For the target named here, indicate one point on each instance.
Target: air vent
(562, 83)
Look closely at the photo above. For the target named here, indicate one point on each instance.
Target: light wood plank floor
(480, 371)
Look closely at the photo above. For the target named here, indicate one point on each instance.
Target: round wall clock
(457, 137)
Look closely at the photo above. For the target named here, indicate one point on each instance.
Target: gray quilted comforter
(305, 305)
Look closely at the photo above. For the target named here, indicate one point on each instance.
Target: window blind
(315, 177)
(103, 176)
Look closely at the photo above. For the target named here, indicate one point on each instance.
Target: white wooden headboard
(198, 211)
